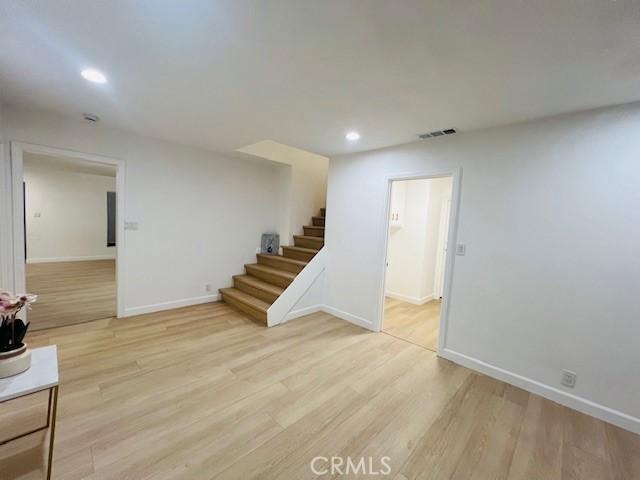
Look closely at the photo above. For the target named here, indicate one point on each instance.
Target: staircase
(255, 291)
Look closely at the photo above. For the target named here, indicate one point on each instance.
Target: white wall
(200, 214)
(304, 183)
(550, 214)
(66, 214)
(412, 247)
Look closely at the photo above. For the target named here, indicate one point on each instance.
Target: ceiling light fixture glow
(352, 136)
(93, 75)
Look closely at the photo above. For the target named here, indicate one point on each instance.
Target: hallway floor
(417, 324)
(71, 292)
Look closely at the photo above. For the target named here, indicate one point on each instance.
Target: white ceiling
(223, 74)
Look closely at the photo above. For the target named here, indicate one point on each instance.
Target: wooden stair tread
(309, 237)
(280, 258)
(300, 253)
(259, 284)
(308, 241)
(271, 270)
(314, 230)
(302, 249)
(245, 298)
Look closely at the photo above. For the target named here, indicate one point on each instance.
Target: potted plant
(15, 357)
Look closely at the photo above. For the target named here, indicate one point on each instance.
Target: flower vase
(14, 362)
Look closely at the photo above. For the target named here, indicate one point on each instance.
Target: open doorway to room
(419, 216)
(69, 239)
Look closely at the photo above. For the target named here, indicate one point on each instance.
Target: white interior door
(443, 240)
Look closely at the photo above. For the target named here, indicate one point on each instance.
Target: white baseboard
(361, 322)
(302, 312)
(588, 407)
(70, 259)
(157, 307)
(554, 394)
(408, 299)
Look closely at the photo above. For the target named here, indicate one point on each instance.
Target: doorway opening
(416, 259)
(69, 238)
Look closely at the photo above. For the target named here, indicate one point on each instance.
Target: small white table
(43, 375)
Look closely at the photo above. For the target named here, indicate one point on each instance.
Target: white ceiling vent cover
(439, 133)
(90, 117)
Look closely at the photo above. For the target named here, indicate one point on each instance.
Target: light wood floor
(417, 324)
(204, 392)
(71, 292)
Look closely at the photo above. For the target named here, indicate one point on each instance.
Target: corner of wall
(567, 399)
(359, 321)
(307, 190)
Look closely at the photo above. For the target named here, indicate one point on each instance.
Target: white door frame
(6, 238)
(456, 176)
(18, 149)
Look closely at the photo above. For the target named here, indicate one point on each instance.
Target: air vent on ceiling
(438, 133)
(90, 117)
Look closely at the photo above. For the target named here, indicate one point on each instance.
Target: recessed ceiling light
(352, 136)
(93, 75)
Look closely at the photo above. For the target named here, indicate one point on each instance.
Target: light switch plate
(461, 249)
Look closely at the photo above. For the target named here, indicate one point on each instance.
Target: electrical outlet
(207, 287)
(568, 378)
